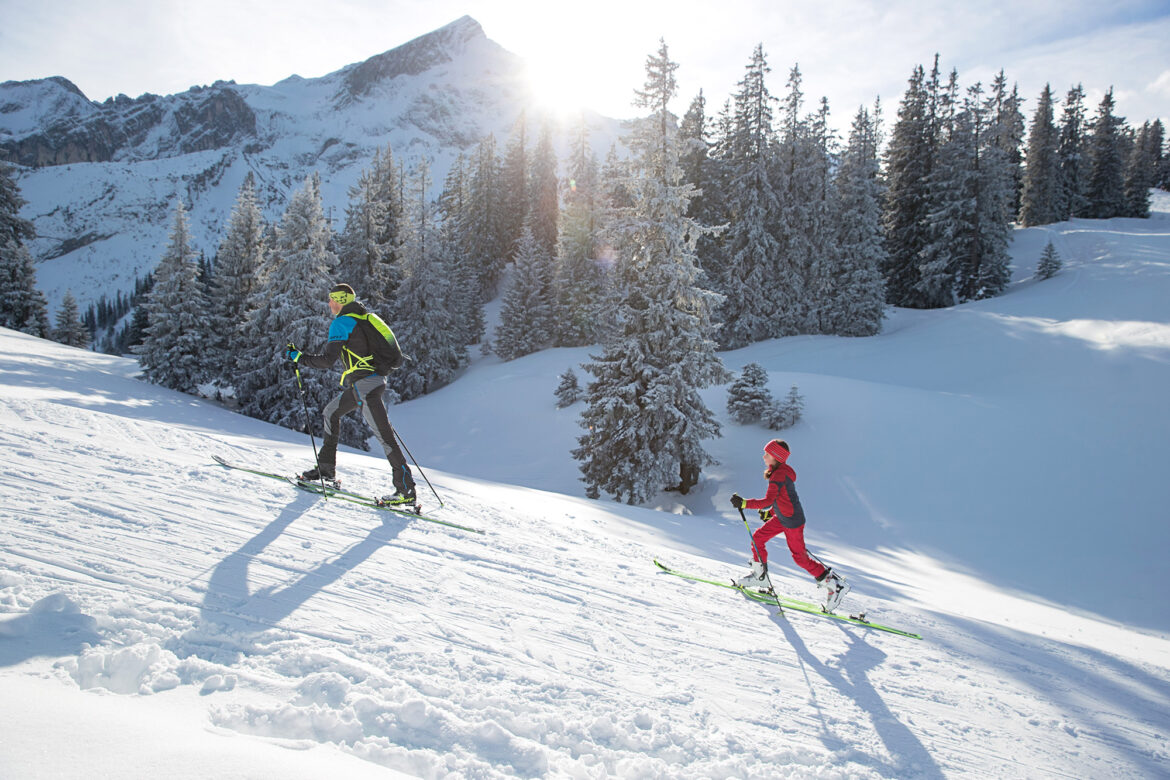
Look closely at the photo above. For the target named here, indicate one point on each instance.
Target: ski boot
(835, 589)
(400, 499)
(319, 474)
(756, 579)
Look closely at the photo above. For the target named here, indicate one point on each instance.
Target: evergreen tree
(703, 172)
(361, 253)
(465, 301)
(544, 208)
(70, 330)
(986, 272)
(526, 317)
(580, 277)
(798, 229)
(855, 304)
(171, 353)
(1039, 202)
(1071, 200)
(424, 321)
(645, 415)
(1105, 190)
(1140, 172)
(1050, 264)
(515, 187)
(824, 276)
(22, 306)
(289, 305)
(568, 392)
(951, 229)
(484, 228)
(748, 399)
(786, 414)
(909, 163)
(753, 269)
(241, 256)
(1007, 136)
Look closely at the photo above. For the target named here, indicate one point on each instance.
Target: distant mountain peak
(413, 57)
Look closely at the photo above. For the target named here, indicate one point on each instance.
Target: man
(368, 351)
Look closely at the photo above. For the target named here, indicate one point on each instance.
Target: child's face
(770, 462)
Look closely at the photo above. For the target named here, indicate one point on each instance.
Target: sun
(561, 85)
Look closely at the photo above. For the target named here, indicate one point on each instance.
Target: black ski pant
(366, 394)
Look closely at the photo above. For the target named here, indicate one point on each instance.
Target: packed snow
(989, 476)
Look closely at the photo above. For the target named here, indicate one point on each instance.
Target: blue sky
(850, 52)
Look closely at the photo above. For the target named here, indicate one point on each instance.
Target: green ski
(344, 495)
(795, 605)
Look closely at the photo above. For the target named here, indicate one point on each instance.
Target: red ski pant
(795, 539)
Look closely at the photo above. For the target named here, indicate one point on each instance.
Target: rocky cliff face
(126, 129)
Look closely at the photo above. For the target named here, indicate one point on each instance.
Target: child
(785, 516)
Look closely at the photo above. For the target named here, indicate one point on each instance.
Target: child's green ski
(795, 605)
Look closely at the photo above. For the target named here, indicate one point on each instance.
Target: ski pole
(309, 430)
(398, 436)
(760, 558)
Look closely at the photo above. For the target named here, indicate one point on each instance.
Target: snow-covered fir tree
(1039, 201)
(580, 278)
(1105, 181)
(799, 229)
(824, 273)
(568, 392)
(465, 298)
(951, 230)
(706, 174)
(361, 253)
(854, 305)
(290, 306)
(1007, 136)
(986, 272)
(909, 164)
(752, 271)
(171, 353)
(484, 229)
(544, 207)
(515, 184)
(645, 414)
(423, 321)
(1140, 171)
(1050, 264)
(68, 328)
(748, 398)
(970, 196)
(786, 413)
(241, 255)
(22, 305)
(527, 318)
(1071, 200)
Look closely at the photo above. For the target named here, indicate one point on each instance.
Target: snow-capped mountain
(101, 178)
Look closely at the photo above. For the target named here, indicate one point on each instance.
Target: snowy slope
(233, 619)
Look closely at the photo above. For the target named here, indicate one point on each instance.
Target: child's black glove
(737, 500)
(765, 515)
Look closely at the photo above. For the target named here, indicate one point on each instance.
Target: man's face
(334, 307)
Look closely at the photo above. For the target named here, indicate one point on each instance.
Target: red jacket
(781, 499)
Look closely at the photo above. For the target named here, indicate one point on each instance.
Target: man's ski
(785, 602)
(344, 495)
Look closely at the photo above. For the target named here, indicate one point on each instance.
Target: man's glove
(737, 500)
(293, 353)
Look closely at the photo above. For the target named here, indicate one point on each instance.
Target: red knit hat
(777, 449)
